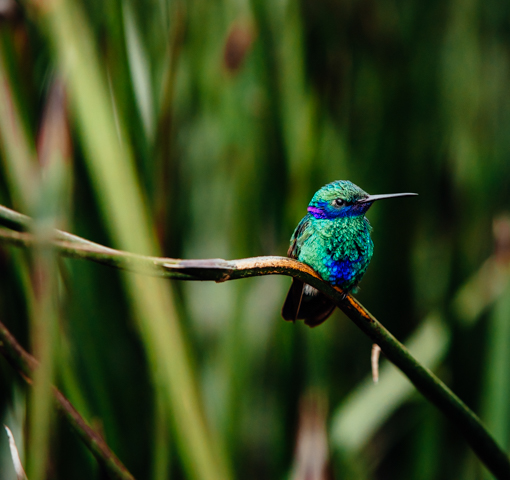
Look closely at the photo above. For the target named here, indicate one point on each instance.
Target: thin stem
(26, 364)
(482, 443)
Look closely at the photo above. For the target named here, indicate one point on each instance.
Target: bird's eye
(338, 202)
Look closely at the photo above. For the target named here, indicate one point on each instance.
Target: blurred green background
(232, 114)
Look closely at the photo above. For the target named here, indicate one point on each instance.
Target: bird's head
(344, 199)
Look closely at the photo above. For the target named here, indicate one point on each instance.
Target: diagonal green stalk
(480, 440)
(111, 167)
(27, 365)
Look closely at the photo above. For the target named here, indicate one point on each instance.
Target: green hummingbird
(334, 239)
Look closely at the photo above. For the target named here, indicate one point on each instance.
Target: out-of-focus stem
(26, 364)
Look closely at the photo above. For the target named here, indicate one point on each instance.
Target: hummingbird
(334, 239)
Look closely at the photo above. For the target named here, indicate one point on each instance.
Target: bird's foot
(343, 293)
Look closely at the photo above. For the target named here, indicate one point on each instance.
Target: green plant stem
(482, 443)
(26, 364)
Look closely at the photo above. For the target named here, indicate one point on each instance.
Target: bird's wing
(308, 304)
(293, 301)
(300, 235)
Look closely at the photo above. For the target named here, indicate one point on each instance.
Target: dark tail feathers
(313, 309)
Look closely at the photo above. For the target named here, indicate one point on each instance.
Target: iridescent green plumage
(333, 239)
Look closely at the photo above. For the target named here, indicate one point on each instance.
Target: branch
(26, 364)
(482, 443)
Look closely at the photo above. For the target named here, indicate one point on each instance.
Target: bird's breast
(339, 251)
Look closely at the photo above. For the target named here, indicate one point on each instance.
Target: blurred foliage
(235, 113)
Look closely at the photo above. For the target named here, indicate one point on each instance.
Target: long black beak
(373, 198)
